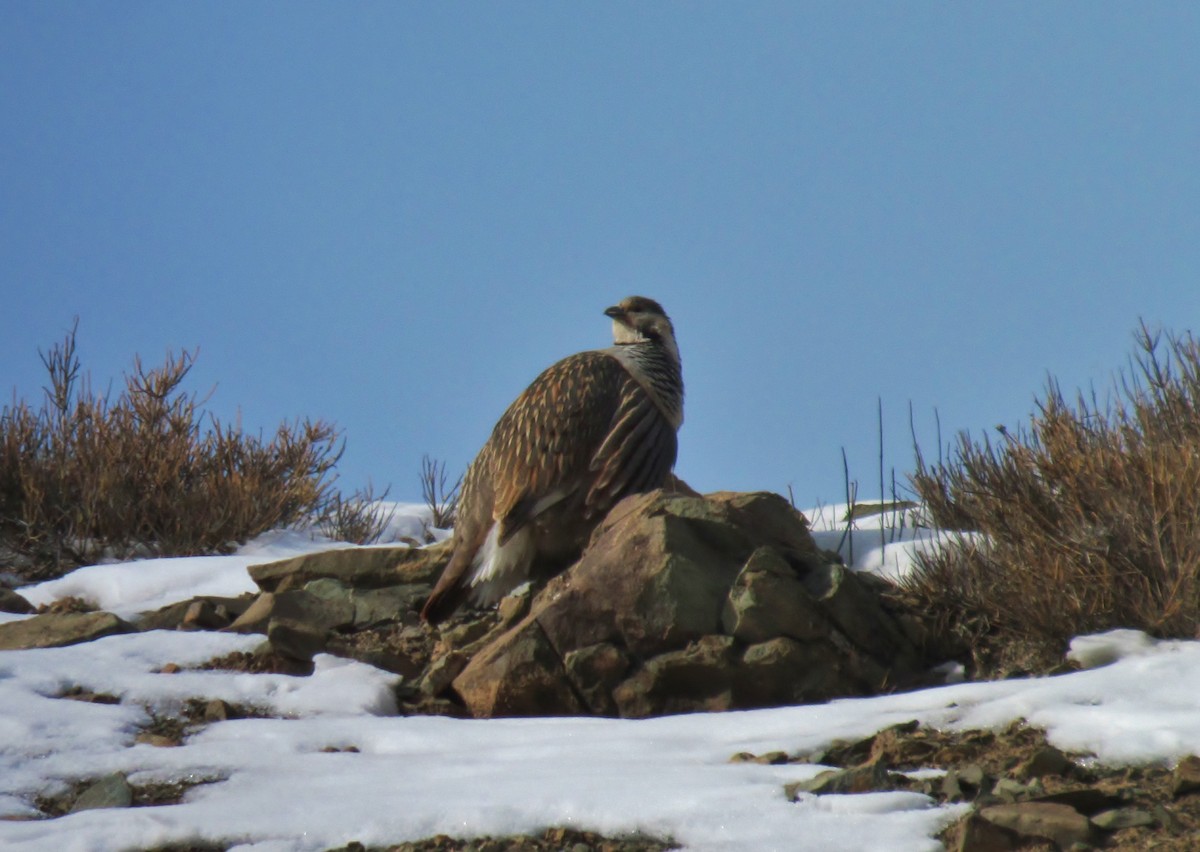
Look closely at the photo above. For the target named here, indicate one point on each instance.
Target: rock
(297, 640)
(305, 621)
(463, 635)
(219, 711)
(299, 623)
(1165, 817)
(87, 696)
(1186, 777)
(684, 603)
(771, 758)
(654, 578)
(595, 671)
(1060, 824)
(403, 649)
(357, 567)
(54, 630)
(256, 617)
(380, 606)
(1086, 800)
(859, 779)
(200, 613)
(442, 673)
(10, 601)
(158, 740)
(698, 678)
(966, 782)
(679, 603)
(973, 776)
(978, 835)
(768, 600)
(204, 615)
(1045, 761)
(388, 659)
(854, 603)
(327, 589)
(1012, 790)
(111, 791)
(769, 519)
(514, 606)
(1120, 818)
(518, 675)
(784, 671)
(871, 749)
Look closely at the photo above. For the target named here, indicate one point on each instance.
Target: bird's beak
(614, 312)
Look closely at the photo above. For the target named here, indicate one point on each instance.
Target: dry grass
(1090, 517)
(148, 473)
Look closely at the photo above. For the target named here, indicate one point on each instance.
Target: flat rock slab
(1060, 824)
(359, 567)
(54, 630)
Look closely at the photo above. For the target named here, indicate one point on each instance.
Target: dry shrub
(147, 473)
(1089, 519)
(360, 518)
(440, 496)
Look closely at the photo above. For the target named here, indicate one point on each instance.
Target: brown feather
(584, 434)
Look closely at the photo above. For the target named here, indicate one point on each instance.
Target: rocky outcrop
(679, 603)
(685, 603)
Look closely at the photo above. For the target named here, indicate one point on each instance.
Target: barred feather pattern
(590, 430)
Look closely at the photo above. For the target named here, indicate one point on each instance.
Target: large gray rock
(305, 621)
(685, 603)
(54, 630)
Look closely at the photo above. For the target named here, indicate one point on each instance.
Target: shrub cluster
(84, 476)
(1087, 520)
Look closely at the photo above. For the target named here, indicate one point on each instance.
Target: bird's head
(637, 319)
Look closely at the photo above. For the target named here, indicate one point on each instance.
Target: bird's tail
(451, 591)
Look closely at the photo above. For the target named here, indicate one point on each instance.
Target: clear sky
(394, 215)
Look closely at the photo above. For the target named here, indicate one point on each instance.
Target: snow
(886, 544)
(129, 588)
(286, 782)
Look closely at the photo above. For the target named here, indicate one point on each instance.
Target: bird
(590, 430)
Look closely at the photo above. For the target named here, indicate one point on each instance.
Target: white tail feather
(499, 568)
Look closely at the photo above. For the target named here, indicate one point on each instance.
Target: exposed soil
(68, 604)
(144, 795)
(552, 840)
(403, 649)
(262, 660)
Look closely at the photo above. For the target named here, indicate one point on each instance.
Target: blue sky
(394, 215)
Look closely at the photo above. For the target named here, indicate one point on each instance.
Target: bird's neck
(657, 368)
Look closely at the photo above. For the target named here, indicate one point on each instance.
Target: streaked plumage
(590, 430)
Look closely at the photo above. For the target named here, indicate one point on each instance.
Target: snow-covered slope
(275, 783)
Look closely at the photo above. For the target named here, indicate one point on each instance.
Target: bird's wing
(543, 445)
(637, 453)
